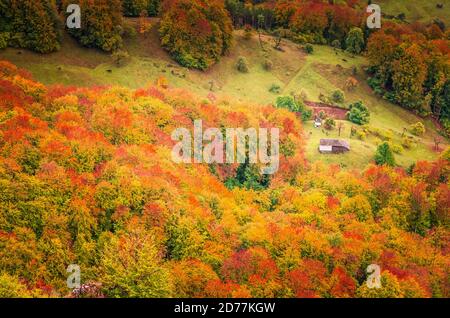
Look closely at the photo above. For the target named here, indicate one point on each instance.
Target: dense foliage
(355, 41)
(410, 65)
(153, 7)
(86, 178)
(101, 25)
(318, 22)
(293, 105)
(30, 24)
(134, 8)
(196, 33)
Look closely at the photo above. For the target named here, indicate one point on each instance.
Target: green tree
(153, 7)
(242, 65)
(288, 102)
(309, 48)
(330, 123)
(358, 114)
(338, 96)
(133, 8)
(355, 41)
(384, 155)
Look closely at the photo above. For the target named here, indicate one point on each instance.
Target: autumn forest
(87, 175)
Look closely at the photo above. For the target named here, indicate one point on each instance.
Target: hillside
(294, 72)
(86, 178)
(178, 157)
(417, 10)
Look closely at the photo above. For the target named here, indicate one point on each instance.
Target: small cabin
(333, 146)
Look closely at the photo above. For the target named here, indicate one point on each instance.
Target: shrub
(387, 135)
(303, 95)
(268, 65)
(308, 48)
(376, 84)
(398, 149)
(129, 31)
(384, 135)
(361, 135)
(336, 44)
(446, 154)
(358, 114)
(446, 123)
(322, 115)
(242, 65)
(384, 155)
(324, 99)
(306, 113)
(275, 88)
(417, 129)
(330, 123)
(4, 39)
(351, 83)
(121, 58)
(407, 142)
(338, 96)
(401, 16)
(196, 33)
(299, 39)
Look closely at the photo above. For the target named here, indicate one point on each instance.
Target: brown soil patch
(330, 110)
